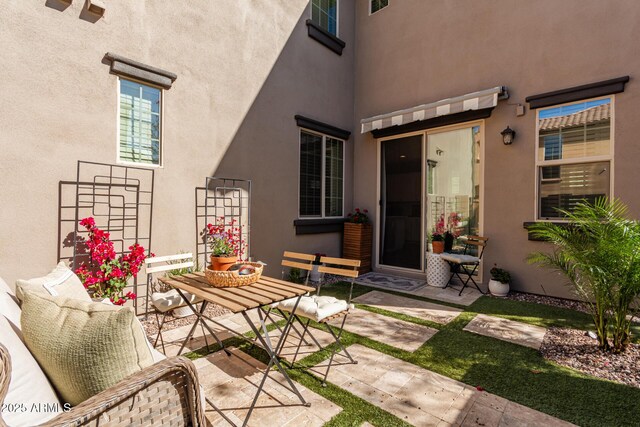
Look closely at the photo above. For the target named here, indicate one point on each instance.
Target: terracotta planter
(358, 243)
(438, 247)
(222, 263)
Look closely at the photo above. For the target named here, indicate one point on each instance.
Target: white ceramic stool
(438, 271)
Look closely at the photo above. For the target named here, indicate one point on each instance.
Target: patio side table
(438, 271)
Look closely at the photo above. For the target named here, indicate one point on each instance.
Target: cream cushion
(83, 347)
(29, 390)
(459, 258)
(61, 281)
(315, 307)
(165, 301)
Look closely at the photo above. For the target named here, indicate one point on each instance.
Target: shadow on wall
(265, 148)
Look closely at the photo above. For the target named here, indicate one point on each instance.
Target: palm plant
(599, 252)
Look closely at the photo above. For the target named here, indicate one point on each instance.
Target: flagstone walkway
(394, 332)
(230, 382)
(507, 330)
(409, 306)
(424, 398)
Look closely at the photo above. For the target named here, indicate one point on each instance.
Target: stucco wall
(245, 68)
(416, 51)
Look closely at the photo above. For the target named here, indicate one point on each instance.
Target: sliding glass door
(401, 196)
(453, 181)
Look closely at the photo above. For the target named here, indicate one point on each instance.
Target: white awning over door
(472, 101)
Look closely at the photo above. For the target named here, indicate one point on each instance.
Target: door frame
(423, 184)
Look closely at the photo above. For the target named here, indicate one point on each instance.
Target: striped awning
(472, 101)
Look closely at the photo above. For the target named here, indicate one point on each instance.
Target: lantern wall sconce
(508, 135)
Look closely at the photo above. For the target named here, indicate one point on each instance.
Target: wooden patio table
(264, 292)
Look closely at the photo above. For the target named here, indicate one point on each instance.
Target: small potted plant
(499, 283)
(314, 275)
(225, 242)
(437, 242)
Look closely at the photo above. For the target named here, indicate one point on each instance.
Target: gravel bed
(171, 322)
(547, 300)
(575, 349)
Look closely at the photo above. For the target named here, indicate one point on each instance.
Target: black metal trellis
(118, 197)
(227, 198)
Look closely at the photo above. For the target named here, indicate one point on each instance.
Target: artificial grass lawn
(514, 372)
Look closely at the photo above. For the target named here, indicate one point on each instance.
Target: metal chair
(323, 309)
(164, 302)
(464, 263)
(290, 260)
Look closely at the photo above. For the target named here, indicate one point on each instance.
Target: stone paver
(173, 338)
(507, 330)
(230, 382)
(427, 398)
(449, 294)
(388, 330)
(289, 349)
(419, 287)
(409, 306)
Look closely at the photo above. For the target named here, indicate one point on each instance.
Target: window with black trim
(321, 176)
(324, 13)
(376, 5)
(574, 155)
(139, 123)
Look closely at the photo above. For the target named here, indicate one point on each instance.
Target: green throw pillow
(83, 347)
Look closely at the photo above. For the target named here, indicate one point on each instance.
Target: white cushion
(315, 307)
(460, 258)
(9, 307)
(31, 400)
(165, 301)
(4, 287)
(61, 281)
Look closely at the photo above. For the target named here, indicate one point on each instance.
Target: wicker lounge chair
(135, 400)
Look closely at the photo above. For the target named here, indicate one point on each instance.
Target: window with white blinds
(574, 155)
(139, 123)
(321, 176)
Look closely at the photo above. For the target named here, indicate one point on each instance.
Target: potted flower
(437, 241)
(225, 242)
(107, 275)
(314, 275)
(499, 283)
(357, 240)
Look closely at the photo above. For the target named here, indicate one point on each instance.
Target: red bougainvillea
(106, 274)
(225, 239)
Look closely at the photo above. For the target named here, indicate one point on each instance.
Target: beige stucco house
(394, 106)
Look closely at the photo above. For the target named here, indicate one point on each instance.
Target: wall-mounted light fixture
(508, 135)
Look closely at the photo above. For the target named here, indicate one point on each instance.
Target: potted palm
(499, 283)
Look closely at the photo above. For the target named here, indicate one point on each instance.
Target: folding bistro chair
(165, 302)
(323, 309)
(465, 263)
(291, 260)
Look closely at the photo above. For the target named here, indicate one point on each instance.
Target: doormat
(386, 281)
